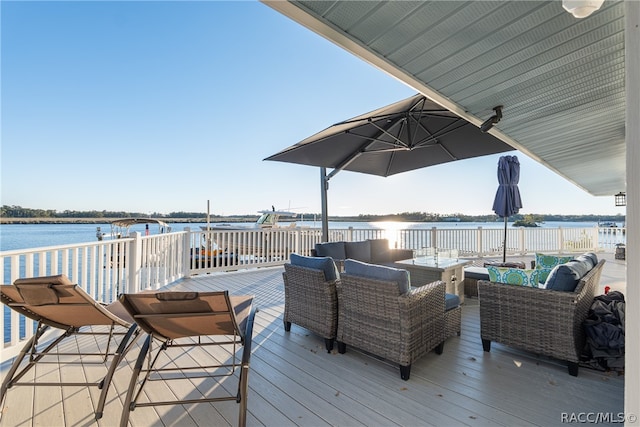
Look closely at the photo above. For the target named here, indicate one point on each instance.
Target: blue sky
(161, 106)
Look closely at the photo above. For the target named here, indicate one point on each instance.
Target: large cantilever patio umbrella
(410, 134)
(507, 201)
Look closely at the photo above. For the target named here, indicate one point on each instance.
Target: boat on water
(121, 228)
(607, 224)
(223, 249)
(268, 219)
(525, 223)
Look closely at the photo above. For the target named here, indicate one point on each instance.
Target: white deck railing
(107, 268)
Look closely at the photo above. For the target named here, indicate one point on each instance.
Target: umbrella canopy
(410, 134)
(507, 201)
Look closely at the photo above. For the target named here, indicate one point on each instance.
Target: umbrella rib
(372, 139)
(398, 141)
(433, 136)
(365, 120)
(418, 120)
(452, 127)
(363, 148)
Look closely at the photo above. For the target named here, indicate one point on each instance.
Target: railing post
(133, 263)
(596, 238)
(521, 238)
(350, 234)
(186, 248)
(434, 237)
(479, 250)
(297, 240)
(560, 240)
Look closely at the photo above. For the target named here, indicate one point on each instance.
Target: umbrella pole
(504, 244)
(324, 186)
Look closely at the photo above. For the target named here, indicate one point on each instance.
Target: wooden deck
(295, 382)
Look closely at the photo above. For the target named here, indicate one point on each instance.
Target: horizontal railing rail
(107, 268)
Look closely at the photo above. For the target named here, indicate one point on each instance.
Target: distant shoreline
(88, 220)
(243, 219)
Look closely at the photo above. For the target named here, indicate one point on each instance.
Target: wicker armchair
(542, 321)
(310, 301)
(400, 328)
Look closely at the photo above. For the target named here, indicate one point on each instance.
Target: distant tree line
(460, 217)
(20, 212)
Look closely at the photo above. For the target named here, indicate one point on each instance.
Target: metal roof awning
(560, 79)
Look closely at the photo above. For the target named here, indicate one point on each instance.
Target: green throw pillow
(546, 263)
(513, 276)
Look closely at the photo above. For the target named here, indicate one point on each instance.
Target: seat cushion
(451, 301)
(358, 250)
(334, 250)
(325, 264)
(379, 272)
(478, 273)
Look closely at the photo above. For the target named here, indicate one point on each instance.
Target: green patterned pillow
(550, 261)
(545, 263)
(494, 274)
(514, 276)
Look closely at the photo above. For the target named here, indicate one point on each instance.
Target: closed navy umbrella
(507, 201)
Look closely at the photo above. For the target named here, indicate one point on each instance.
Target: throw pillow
(325, 264)
(494, 273)
(514, 276)
(564, 277)
(380, 251)
(594, 257)
(379, 272)
(550, 261)
(546, 263)
(586, 261)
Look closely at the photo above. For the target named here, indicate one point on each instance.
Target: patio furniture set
(377, 308)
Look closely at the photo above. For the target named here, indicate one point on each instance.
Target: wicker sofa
(543, 321)
(391, 320)
(375, 251)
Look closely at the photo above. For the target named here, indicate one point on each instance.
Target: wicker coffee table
(427, 269)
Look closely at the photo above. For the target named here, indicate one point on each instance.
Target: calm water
(23, 236)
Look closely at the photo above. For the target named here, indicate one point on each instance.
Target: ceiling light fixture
(488, 124)
(621, 199)
(581, 8)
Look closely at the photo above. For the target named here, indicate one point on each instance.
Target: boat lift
(120, 228)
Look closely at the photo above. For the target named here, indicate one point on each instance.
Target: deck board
(295, 382)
